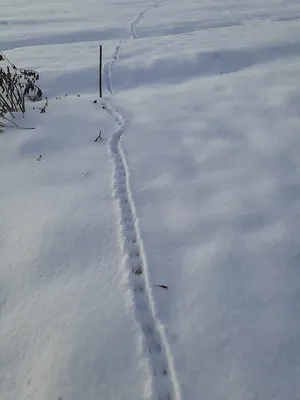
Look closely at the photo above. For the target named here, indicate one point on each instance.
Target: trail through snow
(164, 382)
(134, 24)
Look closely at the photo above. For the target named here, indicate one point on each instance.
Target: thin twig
(18, 126)
(162, 286)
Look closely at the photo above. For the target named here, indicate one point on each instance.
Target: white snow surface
(195, 185)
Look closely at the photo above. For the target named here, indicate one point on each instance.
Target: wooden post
(100, 72)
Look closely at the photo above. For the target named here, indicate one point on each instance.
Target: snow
(195, 185)
(65, 304)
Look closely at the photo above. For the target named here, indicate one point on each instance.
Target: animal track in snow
(108, 66)
(164, 382)
(134, 24)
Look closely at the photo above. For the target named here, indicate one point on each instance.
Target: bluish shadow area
(205, 63)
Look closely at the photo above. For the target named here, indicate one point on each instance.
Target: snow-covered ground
(195, 185)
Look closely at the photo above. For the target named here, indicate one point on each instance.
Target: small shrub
(16, 85)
